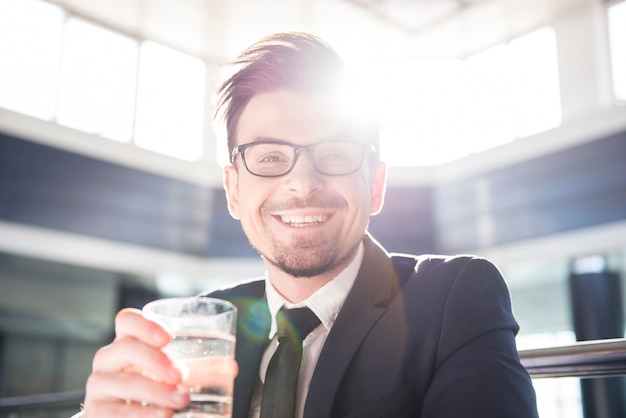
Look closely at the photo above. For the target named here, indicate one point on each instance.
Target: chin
(300, 271)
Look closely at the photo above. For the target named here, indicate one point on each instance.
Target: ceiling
(217, 29)
(414, 16)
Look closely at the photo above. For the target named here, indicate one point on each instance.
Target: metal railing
(60, 399)
(597, 358)
(45, 405)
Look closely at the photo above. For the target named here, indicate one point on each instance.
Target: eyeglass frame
(240, 149)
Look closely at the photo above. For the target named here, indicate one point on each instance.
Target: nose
(303, 179)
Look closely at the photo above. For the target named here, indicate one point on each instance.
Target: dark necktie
(281, 380)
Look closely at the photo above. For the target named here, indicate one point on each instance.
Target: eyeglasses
(276, 158)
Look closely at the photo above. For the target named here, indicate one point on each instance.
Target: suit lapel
(251, 343)
(373, 289)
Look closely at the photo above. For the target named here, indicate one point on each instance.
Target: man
(399, 336)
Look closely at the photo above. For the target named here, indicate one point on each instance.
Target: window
(535, 94)
(170, 102)
(515, 89)
(97, 81)
(450, 108)
(617, 43)
(30, 45)
(489, 118)
(422, 112)
(61, 68)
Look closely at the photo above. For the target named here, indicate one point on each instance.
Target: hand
(132, 376)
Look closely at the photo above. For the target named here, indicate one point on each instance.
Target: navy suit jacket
(425, 336)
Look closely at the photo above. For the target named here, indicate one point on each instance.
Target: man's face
(304, 222)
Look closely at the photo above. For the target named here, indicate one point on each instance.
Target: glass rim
(148, 307)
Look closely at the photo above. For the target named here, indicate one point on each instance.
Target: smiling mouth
(298, 221)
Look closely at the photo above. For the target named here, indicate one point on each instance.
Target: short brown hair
(290, 60)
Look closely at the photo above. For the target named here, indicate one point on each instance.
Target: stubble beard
(305, 258)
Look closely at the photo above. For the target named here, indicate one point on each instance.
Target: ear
(379, 184)
(231, 187)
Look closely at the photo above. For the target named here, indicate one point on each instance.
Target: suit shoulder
(451, 271)
(437, 262)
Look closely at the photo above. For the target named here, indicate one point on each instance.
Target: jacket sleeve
(477, 370)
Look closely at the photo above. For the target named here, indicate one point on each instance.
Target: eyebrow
(337, 136)
(268, 139)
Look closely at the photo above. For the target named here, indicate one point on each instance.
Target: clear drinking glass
(204, 340)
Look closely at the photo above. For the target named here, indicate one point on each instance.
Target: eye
(333, 156)
(269, 156)
(335, 153)
(272, 158)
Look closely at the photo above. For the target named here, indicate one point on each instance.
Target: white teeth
(303, 220)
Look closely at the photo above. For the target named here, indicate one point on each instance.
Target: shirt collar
(326, 302)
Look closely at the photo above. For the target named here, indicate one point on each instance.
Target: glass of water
(204, 340)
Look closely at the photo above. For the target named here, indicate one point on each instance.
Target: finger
(132, 322)
(132, 389)
(134, 356)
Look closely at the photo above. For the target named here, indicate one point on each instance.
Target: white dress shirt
(326, 303)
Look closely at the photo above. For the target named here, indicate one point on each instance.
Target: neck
(296, 289)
